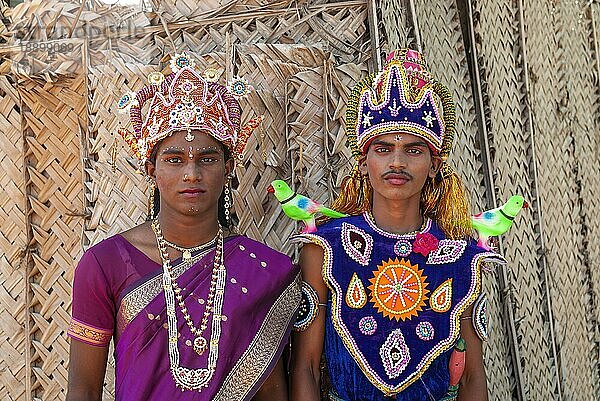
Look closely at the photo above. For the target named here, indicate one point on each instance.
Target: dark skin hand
(87, 365)
(307, 346)
(473, 384)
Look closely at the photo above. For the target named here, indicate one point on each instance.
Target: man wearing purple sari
(195, 311)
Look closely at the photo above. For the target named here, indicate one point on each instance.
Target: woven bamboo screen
(525, 77)
(447, 55)
(13, 240)
(541, 147)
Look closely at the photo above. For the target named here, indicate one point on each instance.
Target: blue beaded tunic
(394, 307)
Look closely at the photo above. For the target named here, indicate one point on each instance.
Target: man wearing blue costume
(392, 293)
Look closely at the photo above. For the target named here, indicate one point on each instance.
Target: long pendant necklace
(186, 378)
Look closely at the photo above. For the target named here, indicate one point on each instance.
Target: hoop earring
(152, 188)
(228, 200)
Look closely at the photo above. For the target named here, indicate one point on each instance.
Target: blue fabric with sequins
(394, 310)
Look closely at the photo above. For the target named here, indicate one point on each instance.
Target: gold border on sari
(252, 365)
(139, 298)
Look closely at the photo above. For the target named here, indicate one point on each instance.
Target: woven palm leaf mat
(562, 78)
(53, 125)
(510, 140)
(316, 102)
(145, 37)
(591, 180)
(552, 309)
(536, 70)
(581, 71)
(13, 242)
(4, 33)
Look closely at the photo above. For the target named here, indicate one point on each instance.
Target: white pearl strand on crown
(193, 379)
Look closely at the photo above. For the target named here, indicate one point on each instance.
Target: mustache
(397, 172)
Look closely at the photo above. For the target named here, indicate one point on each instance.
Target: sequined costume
(394, 307)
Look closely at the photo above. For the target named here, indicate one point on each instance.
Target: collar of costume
(403, 97)
(186, 100)
(396, 300)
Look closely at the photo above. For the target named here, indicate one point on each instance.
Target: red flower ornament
(425, 243)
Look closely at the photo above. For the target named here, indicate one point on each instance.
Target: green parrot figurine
(299, 207)
(497, 221)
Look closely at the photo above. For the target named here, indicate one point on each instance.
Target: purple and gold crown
(184, 101)
(403, 97)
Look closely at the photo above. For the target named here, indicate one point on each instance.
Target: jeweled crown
(185, 101)
(403, 97)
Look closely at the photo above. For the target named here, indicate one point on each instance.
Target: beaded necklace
(186, 378)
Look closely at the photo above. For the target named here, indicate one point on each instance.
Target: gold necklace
(200, 343)
(186, 253)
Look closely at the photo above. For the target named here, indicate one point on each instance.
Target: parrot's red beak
(271, 190)
(525, 204)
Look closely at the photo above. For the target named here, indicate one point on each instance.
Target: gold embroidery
(260, 353)
(89, 334)
(134, 302)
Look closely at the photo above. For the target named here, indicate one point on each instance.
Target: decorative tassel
(355, 195)
(445, 201)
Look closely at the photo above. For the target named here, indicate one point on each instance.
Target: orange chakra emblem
(398, 289)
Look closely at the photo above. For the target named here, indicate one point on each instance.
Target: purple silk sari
(115, 281)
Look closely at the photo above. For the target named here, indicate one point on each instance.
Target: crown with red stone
(403, 97)
(185, 100)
